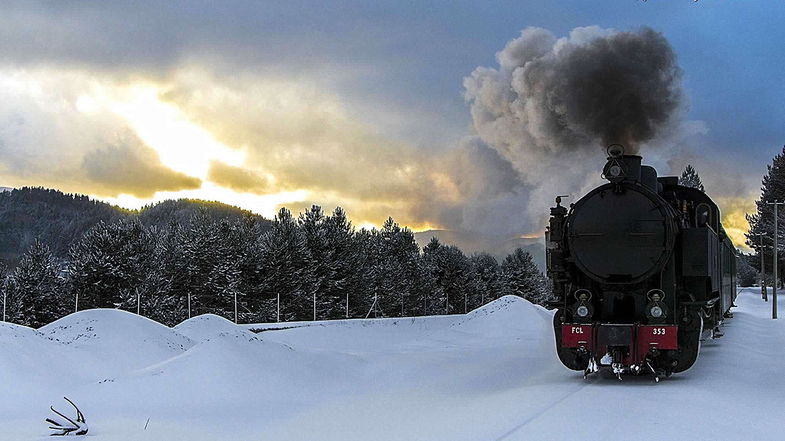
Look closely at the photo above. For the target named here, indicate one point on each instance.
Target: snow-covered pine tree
(109, 263)
(312, 223)
(3, 281)
(522, 278)
(256, 307)
(399, 259)
(431, 270)
(224, 277)
(745, 272)
(287, 269)
(762, 221)
(165, 286)
(365, 256)
(690, 178)
(451, 271)
(34, 289)
(486, 279)
(343, 265)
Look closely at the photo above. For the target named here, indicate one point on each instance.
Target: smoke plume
(553, 103)
(595, 87)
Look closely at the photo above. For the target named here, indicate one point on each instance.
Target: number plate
(661, 337)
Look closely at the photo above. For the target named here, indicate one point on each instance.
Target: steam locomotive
(642, 272)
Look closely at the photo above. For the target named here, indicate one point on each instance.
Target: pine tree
(343, 264)
(450, 271)
(762, 221)
(745, 272)
(690, 178)
(364, 278)
(165, 287)
(312, 223)
(34, 289)
(486, 279)
(109, 264)
(399, 260)
(3, 282)
(433, 274)
(522, 278)
(286, 268)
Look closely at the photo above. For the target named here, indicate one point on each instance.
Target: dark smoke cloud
(595, 87)
(552, 103)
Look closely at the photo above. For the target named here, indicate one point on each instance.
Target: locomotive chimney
(621, 167)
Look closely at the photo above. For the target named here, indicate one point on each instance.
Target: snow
(210, 326)
(489, 375)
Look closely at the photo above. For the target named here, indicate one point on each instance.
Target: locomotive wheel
(689, 341)
(570, 358)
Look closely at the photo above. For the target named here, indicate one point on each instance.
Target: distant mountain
(182, 210)
(498, 247)
(58, 219)
(2, 189)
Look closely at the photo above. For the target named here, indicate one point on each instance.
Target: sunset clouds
(291, 104)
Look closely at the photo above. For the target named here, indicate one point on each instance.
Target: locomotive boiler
(642, 272)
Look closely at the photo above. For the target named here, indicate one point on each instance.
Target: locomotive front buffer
(621, 347)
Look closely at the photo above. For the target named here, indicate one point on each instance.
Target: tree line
(315, 265)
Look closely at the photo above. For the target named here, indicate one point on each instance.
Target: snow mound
(209, 326)
(129, 340)
(215, 372)
(10, 333)
(21, 352)
(505, 315)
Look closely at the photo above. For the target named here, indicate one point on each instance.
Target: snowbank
(490, 374)
(121, 340)
(206, 326)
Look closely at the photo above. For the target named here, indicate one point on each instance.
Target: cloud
(46, 139)
(300, 120)
(237, 178)
(128, 166)
(304, 138)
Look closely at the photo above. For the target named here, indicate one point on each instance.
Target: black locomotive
(642, 271)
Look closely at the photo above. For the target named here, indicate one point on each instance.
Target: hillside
(57, 218)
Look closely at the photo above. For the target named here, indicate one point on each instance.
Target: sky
(379, 107)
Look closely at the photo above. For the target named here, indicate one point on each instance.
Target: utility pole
(347, 304)
(776, 255)
(278, 307)
(138, 301)
(76, 302)
(189, 304)
(235, 307)
(762, 251)
(314, 306)
(5, 297)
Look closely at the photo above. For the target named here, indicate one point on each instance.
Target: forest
(177, 259)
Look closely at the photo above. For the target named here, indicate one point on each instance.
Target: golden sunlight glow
(537, 235)
(265, 205)
(734, 219)
(181, 145)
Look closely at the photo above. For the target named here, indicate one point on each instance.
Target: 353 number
(658, 331)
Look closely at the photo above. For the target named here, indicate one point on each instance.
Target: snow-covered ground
(488, 375)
